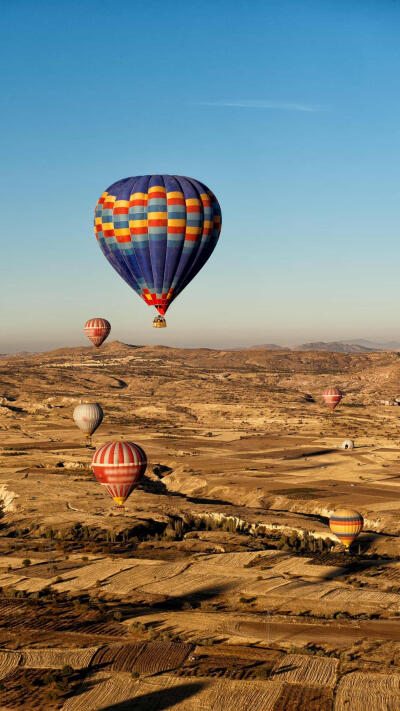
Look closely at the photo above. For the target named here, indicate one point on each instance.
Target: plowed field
(374, 692)
(161, 656)
(295, 697)
(303, 669)
(102, 691)
(57, 658)
(8, 662)
(120, 657)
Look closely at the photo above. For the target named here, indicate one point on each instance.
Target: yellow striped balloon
(346, 524)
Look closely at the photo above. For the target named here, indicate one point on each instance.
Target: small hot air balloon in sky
(97, 329)
(88, 416)
(346, 524)
(157, 231)
(119, 466)
(332, 397)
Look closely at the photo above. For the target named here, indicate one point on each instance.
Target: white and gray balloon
(88, 416)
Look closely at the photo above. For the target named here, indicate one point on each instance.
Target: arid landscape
(220, 585)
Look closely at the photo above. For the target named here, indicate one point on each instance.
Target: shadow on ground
(157, 700)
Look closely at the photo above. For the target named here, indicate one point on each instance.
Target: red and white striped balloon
(119, 466)
(97, 329)
(332, 397)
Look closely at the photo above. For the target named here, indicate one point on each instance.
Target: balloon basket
(159, 322)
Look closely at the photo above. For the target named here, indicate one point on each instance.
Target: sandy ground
(241, 451)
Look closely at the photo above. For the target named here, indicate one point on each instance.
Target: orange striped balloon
(332, 397)
(346, 524)
(97, 329)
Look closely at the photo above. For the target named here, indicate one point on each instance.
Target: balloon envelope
(157, 231)
(332, 397)
(97, 329)
(119, 466)
(88, 416)
(346, 524)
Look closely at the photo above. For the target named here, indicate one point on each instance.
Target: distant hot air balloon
(332, 397)
(346, 524)
(157, 231)
(88, 416)
(119, 466)
(97, 329)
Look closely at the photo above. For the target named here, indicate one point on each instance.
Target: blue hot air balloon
(157, 231)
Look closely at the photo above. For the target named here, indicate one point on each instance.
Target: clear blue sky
(287, 109)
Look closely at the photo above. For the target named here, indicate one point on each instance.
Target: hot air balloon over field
(88, 416)
(332, 397)
(157, 231)
(119, 466)
(97, 329)
(346, 524)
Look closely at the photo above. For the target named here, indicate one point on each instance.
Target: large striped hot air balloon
(332, 397)
(157, 231)
(88, 416)
(119, 466)
(97, 330)
(346, 524)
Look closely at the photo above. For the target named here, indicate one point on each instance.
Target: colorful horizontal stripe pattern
(157, 231)
(97, 330)
(346, 524)
(332, 397)
(119, 466)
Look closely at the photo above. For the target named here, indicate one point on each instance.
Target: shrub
(26, 562)
(67, 670)
(138, 626)
(49, 677)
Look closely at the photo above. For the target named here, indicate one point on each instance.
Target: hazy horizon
(217, 345)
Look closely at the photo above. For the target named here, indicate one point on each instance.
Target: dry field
(376, 692)
(57, 658)
(101, 691)
(311, 671)
(8, 662)
(220, 585)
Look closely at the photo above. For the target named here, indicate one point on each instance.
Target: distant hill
(375, 346)
(267, 347)
(333, 347)
(20, 354)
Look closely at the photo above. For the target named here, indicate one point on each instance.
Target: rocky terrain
(220, 580)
